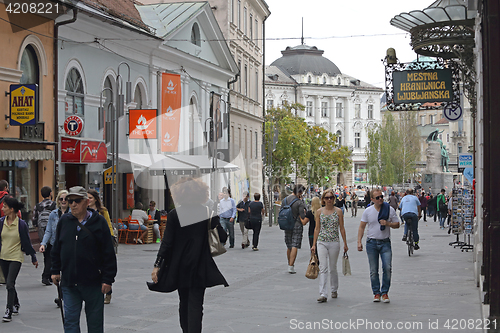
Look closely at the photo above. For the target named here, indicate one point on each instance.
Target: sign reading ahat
(423, 86)
(23, 104)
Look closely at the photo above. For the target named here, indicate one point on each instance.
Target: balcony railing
(458, 134)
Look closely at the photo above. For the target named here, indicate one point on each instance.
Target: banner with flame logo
(171, 102)
(142, 124)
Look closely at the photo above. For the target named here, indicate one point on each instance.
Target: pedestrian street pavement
(432, 291)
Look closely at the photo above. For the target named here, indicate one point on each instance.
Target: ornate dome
(305, 59)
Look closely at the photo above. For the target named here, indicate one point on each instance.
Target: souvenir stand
(462, 215)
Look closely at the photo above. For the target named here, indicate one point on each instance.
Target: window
(246, 144)
(324, 80)
(422, 120)
(239, 140)
(245, 88)
(108, 95)
(309, 108)
(370, 111)
(431, 119)
(459, 148)
(193, 126)
(251, 144)
(324, 109)
(339, 138)
(270, 104)
(245, 20)
(256, 85)
(138, 97)
(232, 11)
(256, 31)
(338, 110)
(251, 29)
(357, 110)
(239, 14)
(74, 92)
(29, 66)
(195, 35)
(241, 79)
(339, 81)
(447, 137)
(357, 140)
(309, 79)
(30, 69)
(256, 145)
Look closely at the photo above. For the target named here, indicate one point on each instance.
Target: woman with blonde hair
(315, 205)
(329, 222)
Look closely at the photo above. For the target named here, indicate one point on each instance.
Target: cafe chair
(137, 232)
(122, 232)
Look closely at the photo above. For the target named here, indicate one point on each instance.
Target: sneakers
(15, 310)
(291, 269)
(46, 282)
(243, 245)
(8, 315)
(158, 240)
(255, 249)
(404, 238)
(322, 299)
(139, 241)
(376, 298)
(58, 302)
(231, 246)
(385, 298)
(416, 247)
(334, 294)
(107, 299)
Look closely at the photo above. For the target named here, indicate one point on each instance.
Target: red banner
(130, 191)
(142, 124)
(70, 150)
(83, 151)
(171, 102)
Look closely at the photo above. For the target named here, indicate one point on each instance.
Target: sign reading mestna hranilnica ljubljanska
(423, 86)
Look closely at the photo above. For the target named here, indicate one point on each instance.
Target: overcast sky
(359, 57)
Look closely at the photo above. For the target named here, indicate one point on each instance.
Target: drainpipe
(229, 104)
(56, 90)
(270, 195)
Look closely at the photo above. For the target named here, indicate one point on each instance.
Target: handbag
(248, 223)
(346, 266)
(313, 267)
(216, 246)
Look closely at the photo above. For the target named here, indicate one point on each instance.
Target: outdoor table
(150, 235)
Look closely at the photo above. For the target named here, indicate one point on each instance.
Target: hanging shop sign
(108, 174)
(73, 125)
(465, 161)
(171, 102)
(23, 104)
(130, 191)
(75, 150)
(423, 86)
(142, 124)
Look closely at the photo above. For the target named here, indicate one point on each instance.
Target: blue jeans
(229, 228)
(376, 248)
(136, 227)
(442, 218)
(73, 297)
(414, 224)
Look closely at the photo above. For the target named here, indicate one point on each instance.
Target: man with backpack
(41, 214)
(442, 208)
(292, 213)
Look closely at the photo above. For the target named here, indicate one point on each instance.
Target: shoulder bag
(216, 247)
(313, 267)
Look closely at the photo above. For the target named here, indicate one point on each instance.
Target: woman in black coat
(184, 255)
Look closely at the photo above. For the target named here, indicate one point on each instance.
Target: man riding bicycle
(411, 210)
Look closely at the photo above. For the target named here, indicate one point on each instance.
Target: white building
(337, 102)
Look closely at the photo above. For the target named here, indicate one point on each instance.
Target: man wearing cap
(83, 262)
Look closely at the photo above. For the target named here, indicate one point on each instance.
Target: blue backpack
(286, 220)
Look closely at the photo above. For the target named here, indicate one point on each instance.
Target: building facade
(335, 101)
(27, 151)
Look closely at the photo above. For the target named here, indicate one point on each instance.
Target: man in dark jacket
(84, 262)
(40, 219)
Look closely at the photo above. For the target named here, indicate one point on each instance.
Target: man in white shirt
(227, 214)
(378, 244)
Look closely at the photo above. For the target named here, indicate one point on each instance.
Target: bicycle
(409, 236)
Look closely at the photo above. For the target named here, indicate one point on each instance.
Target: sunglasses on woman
(62, 199)
(379, 197)
(329, 198)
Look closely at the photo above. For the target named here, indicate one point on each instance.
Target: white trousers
(244, 233)
(328, 254)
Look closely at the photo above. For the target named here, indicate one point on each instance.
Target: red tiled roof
(122, 9)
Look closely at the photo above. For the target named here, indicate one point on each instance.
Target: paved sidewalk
(434, 287)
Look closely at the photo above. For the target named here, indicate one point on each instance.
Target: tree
(393, 149)
(326, 157)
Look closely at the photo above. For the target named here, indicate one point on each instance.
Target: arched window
(339, 137)
(108, 99)
(339, 81)
(459, 148)
(138, 97)
(309, 79)
(29, 66)
(324, 79)
(194, 128)
(74, 92)
(195, 35)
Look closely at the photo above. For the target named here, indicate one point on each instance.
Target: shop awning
(23, 155)
(155, 163)
(204, 163)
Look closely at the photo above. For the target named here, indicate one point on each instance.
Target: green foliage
(393, 149)
(301, 144)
